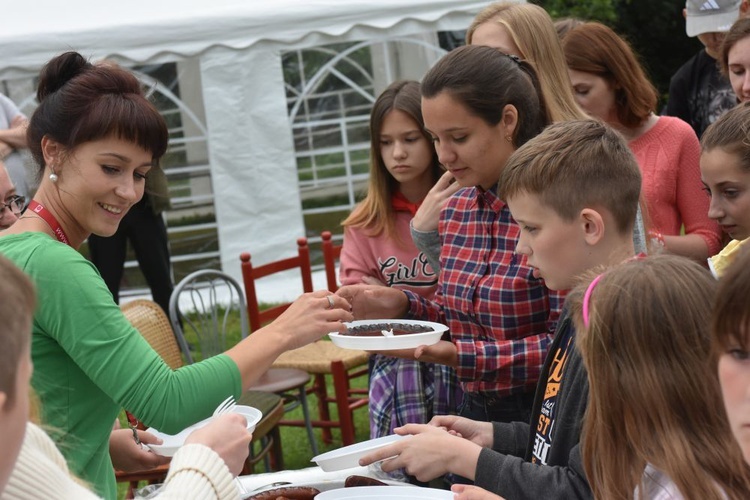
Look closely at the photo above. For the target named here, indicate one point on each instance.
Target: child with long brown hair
(725, 173)
(731, 346)
(655, 425)
(377, 249)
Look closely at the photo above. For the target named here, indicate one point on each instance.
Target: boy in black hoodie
(573, 190)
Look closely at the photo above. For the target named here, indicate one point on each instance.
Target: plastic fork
(225, 406)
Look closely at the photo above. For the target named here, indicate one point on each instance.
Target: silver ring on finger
(330, 302)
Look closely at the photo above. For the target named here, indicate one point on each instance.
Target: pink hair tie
(587, 299)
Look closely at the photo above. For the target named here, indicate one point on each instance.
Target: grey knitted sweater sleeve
(428, 242)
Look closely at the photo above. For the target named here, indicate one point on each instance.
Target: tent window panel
(324, 107)
(325, 135)
(355, 103)
(330, 92)
(191, 222)
(332, 199)
(358, 134)
(315, 223)
(322, 166)
(360, 161)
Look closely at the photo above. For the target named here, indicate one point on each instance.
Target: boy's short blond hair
(575, 165)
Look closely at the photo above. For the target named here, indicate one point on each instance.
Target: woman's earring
(53, 177)
(509, 138)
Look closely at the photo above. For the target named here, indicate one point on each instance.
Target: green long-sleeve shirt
(89, 362)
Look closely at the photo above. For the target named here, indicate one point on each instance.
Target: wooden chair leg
(324, 412)
(277, 455)
(341, 387)
(130, 493)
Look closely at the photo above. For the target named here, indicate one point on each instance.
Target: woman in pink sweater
(609, 84)
(378, 249)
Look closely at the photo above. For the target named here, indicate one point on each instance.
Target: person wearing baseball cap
(698, 92)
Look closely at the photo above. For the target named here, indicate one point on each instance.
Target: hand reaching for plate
(375, 301)
(429, 453)
(443, 352)
(228, 436)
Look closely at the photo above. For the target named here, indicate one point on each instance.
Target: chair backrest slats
(204, 305)
(151, 321)
(331, 254)
(250, 274)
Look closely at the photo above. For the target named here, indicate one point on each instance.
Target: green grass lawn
(296, 446)
(294, 442)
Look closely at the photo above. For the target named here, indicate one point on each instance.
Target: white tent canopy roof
(238, 47)
(150, 31)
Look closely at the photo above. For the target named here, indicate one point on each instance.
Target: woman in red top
(609, 84)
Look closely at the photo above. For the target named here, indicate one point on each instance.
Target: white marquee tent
(238, 44)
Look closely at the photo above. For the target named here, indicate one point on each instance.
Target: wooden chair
(252, 273)
(331, 253)
(216, 301)
(150, 320)
(320, 358)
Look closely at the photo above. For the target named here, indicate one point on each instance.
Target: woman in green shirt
(95, 137)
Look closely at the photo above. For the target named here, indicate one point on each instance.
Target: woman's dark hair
(485, 81)
(81, 102)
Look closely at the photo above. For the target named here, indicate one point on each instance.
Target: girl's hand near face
(444, 353)
(427, 217)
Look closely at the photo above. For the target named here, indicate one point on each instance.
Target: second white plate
(173, 442)
(348, 456)
(391, 492)
(383, 343)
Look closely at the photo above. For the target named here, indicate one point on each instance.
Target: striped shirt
(501, 318)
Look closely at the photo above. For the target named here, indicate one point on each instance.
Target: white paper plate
(348, 456)
(173, 442)
(383, 343)
(387, 492)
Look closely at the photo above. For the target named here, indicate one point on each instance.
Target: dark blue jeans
(514, 408)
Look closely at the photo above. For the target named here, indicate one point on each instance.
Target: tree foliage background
(654, 28)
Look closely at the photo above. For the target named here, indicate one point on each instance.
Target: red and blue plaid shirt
(501, 318)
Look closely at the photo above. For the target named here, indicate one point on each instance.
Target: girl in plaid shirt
(479, 105)
(377, 249)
